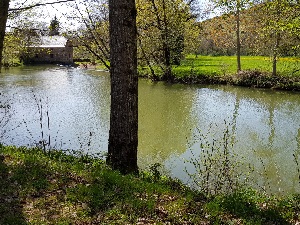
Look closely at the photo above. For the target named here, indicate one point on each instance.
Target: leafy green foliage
(221, 70)
(258, 24)
(218, 169)
(13, 48)
(166, 31)
(59, 188)
(249, 207)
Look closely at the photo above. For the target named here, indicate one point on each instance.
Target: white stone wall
(51, 55)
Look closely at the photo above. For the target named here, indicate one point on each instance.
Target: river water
(69, 108)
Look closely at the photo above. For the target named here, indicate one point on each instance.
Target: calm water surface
(174, 120)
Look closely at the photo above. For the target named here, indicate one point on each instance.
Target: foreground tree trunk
(4, 4)
(123, 133)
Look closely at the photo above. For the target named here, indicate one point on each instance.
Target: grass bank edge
(92, 192)
(222, 70)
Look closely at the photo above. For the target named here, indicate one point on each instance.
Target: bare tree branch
(39, 4)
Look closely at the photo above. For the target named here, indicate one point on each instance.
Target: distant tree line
(168, 30)
(258, 29)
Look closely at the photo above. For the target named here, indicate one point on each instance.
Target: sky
(44, 14)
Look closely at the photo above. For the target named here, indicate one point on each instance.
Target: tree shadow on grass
(34, 189)
(115, 195)
(10, 204)
(62, 189)
(242, 205)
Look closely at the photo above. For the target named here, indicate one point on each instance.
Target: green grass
(227, 65)
(59, 188)
(256, 72)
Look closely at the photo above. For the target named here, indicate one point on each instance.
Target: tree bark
(162, 25)
(123, 133)
(4, 4)
(166, 47)
(238, 39)
(278, 13)
(275, 54)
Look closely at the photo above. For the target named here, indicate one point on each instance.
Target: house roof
(50, 42)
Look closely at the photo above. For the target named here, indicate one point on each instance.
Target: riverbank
(197, 69)
(58, 188)
(222, 70)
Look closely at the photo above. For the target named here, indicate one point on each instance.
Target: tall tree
(123, 133)
(234, 6)
(54, 27)
(93, 35)
(282, 20)
(4, 4)
(171, 24)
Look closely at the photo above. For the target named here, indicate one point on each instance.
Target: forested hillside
(263, 28)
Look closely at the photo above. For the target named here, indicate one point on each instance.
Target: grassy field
(227, 65)
(221, 65)
(55, 188)
(256, 72)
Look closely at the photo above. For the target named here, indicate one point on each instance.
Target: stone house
(50, 49)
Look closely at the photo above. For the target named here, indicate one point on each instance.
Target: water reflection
(76, 104)
(264, 124)
(165, 120)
